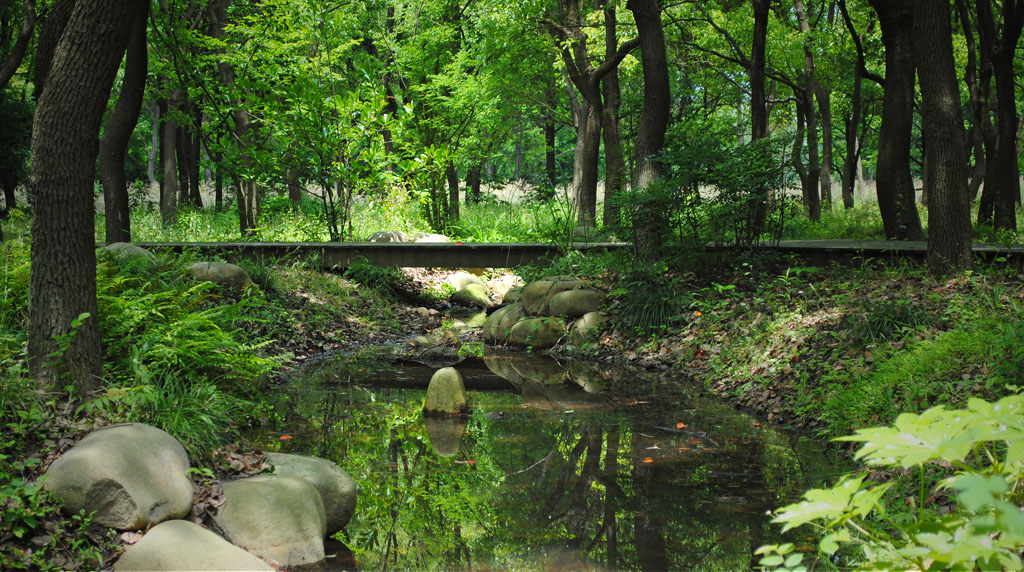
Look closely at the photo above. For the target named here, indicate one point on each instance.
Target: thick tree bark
(118, 132)
(49, 35)
(649, 225)
(614, 162)
(1002, 178)
(949, 210)
(894, 185)
(64, 149)
(13, 61)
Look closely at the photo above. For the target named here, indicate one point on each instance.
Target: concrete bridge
(511, 255)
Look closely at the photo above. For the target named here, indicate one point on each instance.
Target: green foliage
(648, 303)
(16, 135)
(383, 279)
(886, 319)
(983, 448)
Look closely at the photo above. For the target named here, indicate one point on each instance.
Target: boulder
(471, 295)
(133, 476)
(336, 487)
(586, 328)
(388, 236)
(501, 285)
(536, 296)
(512, 296)
(446, 394)
(181, 545)
(280, 519)
(576, 303)
(501, 366)
(498, 324)
(537, 332)
(460, 280)
(430, 237)
(445, 434)
(127, 251)
(227, 275)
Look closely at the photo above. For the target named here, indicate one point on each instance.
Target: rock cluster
(135, 476)
(539, 314)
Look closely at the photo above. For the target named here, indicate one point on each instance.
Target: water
(587, 469)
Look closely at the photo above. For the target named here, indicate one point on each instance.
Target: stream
(559, 466)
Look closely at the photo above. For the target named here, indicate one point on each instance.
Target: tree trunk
(852, 158)
(453, 193)
(614, 162)
(894, 185)
(949, 210)
(473, 183)
(824, 97)
(979, 108)
(169, 164)
(550, 163)
(649, 225)
(13, 61)
(1003, 174)
(195, 148)
(118, 132)
(812, 200)
(154, 144)
(49, 35)
(184, 169)
(756, 72)
(10, 183)
(65, 143)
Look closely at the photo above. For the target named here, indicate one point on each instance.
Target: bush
(978, 454)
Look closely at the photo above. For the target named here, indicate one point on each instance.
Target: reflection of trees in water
(544, 489)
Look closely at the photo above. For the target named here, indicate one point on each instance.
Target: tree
(586, 77)
(949, 208)
(1002, 178)
(649, 224)
(118, 131)
(64, 149)
(895, 187)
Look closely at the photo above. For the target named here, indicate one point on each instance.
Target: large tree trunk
(614, 162)
(118, 132)
(949, 210)
(9, 180)
(649, 225)
(894, 185)
(65, 143)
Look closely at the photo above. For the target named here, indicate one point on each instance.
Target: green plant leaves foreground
(982, 447)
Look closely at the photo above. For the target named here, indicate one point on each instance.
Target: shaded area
(555, 468)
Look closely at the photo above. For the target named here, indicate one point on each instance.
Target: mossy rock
(587, 328)
(576, 303)
(536, 296)
(472, 295)
(537, 332)
(446, 394)
(499, 323)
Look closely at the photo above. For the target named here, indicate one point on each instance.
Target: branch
(13, 62)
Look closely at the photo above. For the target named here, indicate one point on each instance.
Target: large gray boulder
(430, 237)
(538, 333)
(388, 236)
(576, 303)
(280, 519)
(472, 295)
(133, 476)
(223, 273)
(127, 251)
(586, 328)
(460, 280)
(500, 322)
(336, 487)
(446, 394)
(181, 545)
(536, 296)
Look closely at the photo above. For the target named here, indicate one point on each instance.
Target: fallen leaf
(648, 460)
(681, 425)
(286, 437)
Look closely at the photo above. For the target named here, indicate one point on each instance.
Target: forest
(695, 136)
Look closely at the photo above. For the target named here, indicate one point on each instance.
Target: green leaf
(978, 491)
(773, 560)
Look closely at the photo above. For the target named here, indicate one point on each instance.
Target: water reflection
(556, 468)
